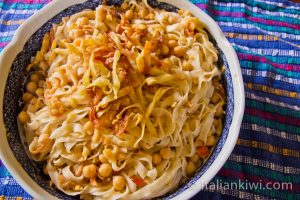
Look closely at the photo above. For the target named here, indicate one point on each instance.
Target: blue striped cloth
(266, 37)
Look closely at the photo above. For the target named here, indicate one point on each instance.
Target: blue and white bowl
(27, 41)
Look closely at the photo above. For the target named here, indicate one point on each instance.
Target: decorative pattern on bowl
(14, 88)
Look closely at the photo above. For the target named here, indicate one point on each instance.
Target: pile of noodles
(109, 87)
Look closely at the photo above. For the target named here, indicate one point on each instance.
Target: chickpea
(108, 17)
(39, 92)
(181, 12)
(172, 43)
(164, 49)
(215, 123)
(190, 168)
(166, 153)
(43, 65)
(125, 6)
(119, 183)
(34, 101)
(105, 170)
(187, 66)
(83, 21)
(102, 158)
(218, 126)
(77, 42)
(165, 64)
(211, 141)
(165, 38)
(156, 159)
(179, 51)
(129, 14)
(31, 87)
(195, 158)
(89, 171)
(78, 33)
(78, 188)
(24, 117)
(215, 98)
(219, 111)
(41, 83)
(151, 16)
(158, 52)
(143, 13)
(108, 154)
(27, 97)
(34, 77)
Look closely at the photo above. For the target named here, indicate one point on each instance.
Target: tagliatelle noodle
(120, 88)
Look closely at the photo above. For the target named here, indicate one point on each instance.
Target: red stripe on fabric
(272, 116)
(202, 6)
(3, 44)
(256, 58)
(227, 14)
(275, 23)
(26, 1)
(254, 179)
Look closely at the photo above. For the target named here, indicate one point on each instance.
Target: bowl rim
(33, 23)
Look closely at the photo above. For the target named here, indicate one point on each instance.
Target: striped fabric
(266, 37)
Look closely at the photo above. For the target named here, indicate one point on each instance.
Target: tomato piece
(138, 181)
(203, 151)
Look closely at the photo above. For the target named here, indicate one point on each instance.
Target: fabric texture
(265, 163)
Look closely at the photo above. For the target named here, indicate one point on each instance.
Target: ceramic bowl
(27, 41)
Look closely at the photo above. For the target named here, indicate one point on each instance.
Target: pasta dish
(123, 102)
